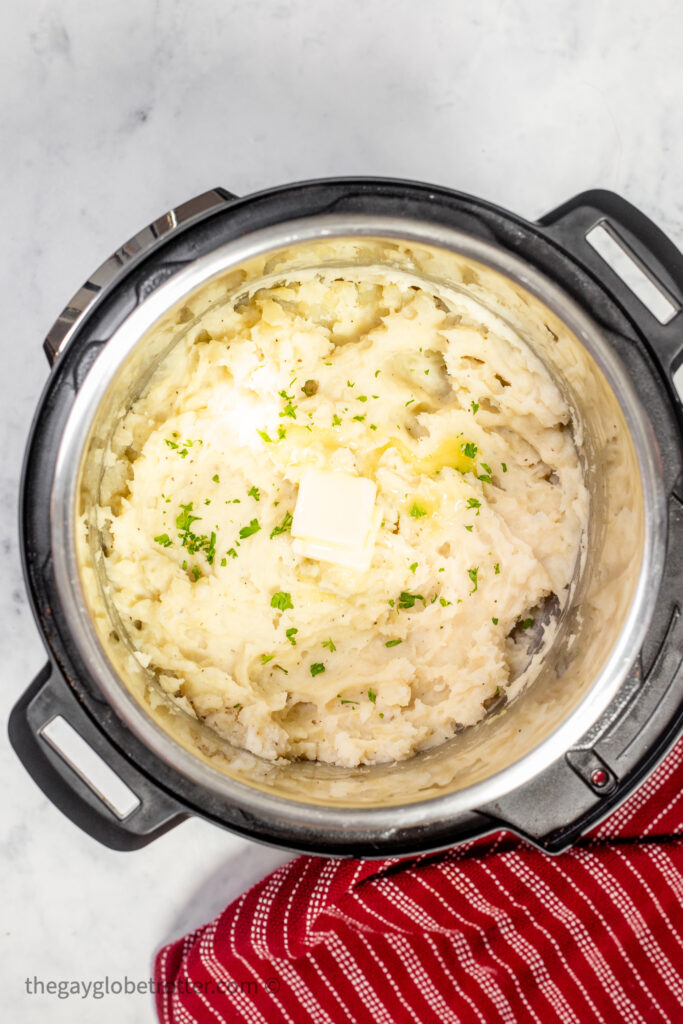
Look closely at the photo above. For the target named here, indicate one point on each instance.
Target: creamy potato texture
(468, 440)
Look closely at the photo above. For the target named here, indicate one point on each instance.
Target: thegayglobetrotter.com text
(100, 988)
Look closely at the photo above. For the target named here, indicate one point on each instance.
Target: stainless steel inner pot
(601, 628)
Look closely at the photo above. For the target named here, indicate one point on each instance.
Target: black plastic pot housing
(553, 809)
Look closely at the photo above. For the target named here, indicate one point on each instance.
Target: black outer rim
(530, 242)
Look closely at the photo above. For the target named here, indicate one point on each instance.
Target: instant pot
(608, 700)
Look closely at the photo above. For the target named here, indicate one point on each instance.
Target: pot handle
(127, 256)
(642, 243)
(80, 771)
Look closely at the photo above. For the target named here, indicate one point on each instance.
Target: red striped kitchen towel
(490, 931)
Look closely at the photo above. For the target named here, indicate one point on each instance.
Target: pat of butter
(335, 519)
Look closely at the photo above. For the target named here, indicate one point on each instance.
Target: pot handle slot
(82, 773)
(615, 241)
(123, 260)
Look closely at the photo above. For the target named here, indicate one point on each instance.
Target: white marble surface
(110, 114)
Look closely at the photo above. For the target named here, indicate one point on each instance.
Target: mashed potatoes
(481, 496)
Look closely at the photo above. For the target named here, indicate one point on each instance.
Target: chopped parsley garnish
(281, 433)
(527, 623)
(417, 511)
(264, 436)
(285, 670)
(372, 696)
(496, 568)
(474, 503)
(185, 519)
(444, 603)
(183, 447)
(224, 561)
(329, 644)
(410, 401)
(216, 478)
(254, 493)
(475, 407)
(373, 426)
(194, 541)
(265, 658)
(247, 531)
(494, 621)
(316, 668)
(407, 600)
(346, 701)
(290, 408)
(377, 373)
(235, 706)
(413, 567)
(469, 529)
(485, 478)
(195, 573)
(164, 540)
(284, 526)
(362, 398)
(290, 634)
(210, 549)
(469, 449)
(473, 573)
(281, 600)
(336, 422)
(349, 384)
(486, 467)
(232, 553)
(504, 467)
(359, 419)
(393, 643)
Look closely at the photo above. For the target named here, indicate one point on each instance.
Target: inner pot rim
(65, 490)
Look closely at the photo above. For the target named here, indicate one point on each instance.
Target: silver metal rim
(287, 812)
